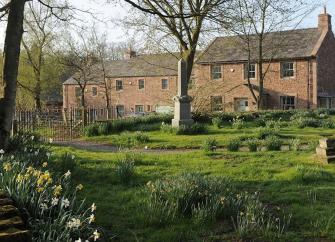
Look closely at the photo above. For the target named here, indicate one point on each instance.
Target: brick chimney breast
(325, 21)
(129, 54)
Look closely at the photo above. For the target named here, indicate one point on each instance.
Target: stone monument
(182, 102)
(326, 150)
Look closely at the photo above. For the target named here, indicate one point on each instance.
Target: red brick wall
(231, 86)
(152, 94)
(70, 100)
(326, 66)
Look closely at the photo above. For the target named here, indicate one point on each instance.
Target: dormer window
(216, 72)
(94, 91)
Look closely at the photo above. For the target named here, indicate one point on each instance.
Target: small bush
(166, 128)
(263, 133)
(65, 163)
(307, 122)
(92, 130)
(141, 138)
(238, 123)
(308, 174)
(328, 124)
(234, 145)
(252, 144)
(273, 143)
(191, 195)
(217, 122)
(193, 129)
(125, 169)
(210, 145)
(295, 144)
(260, 122)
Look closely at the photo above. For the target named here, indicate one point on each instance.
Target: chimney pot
(325, 21)
(129, 54)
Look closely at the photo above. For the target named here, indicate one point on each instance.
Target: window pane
(252, 71)
(119, 85)
(216, 103)
(287, 102)
(287, 69)
(78, 91)
(140, 84)
(139, 109)
(165, 84)
(94, 91)
(216, 72)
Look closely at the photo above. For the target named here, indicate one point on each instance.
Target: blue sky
(116, 34)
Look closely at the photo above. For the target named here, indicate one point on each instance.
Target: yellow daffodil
(80, 187)
(57, 190)
(7, 166)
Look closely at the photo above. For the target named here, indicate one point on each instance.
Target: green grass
(159, 139)
(276, 175)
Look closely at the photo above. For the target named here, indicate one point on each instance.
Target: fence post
(14, 127)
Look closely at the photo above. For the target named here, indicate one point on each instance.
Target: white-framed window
(141, 84)
(251, 72)
(139, 109)
(165, 84)
(216, 72)
(287, 102)
(287, 69)
(216, 103)
(119, 85)
(94, 91)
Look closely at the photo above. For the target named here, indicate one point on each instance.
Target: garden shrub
(328, 124)
(196, 128)
(49, 201)
(141, 137)
(254, 219)
(252, 144)
(309, 174)
(145, 123)
(217, 122)
(234, 145)
(210, 145)
(295, 144)
(307, 122)
(166, 128)
(64, 163)
(260, 122)
(273, 143)
(265, 132)
(189, 195)
(238, 123)
(125, 169)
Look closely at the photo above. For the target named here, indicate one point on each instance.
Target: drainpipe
(309, 84)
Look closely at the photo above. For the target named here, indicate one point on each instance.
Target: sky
(112, 12)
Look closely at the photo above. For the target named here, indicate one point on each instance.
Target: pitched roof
(291, 44)
(140, 66)
(145, 65)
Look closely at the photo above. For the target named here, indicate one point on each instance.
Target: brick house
(300, 71)
(300, 74)
(137, 84)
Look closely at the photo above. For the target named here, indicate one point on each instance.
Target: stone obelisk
(182, 106)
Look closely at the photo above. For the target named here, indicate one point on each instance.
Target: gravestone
(182, 107)
(326, 150)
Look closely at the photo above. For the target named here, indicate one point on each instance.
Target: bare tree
(183, 20)
(39, 24)
(254, 21)
(82, 60)
(14, 11)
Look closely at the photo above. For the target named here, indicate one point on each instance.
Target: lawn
(294, 183)
(274, 174)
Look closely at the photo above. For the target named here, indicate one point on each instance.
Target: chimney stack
(129, 54)
(325, 21)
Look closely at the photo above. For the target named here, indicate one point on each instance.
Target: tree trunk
(260, 73)
(13, 39)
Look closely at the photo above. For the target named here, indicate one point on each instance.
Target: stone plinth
(182, 107)
(182, 111)
(326, 150)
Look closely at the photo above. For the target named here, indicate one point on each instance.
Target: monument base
(179, 122)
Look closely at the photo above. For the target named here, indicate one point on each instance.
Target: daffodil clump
(53, 210)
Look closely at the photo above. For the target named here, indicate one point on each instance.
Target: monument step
(15, 222)
(8, 211)
(15, 235)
